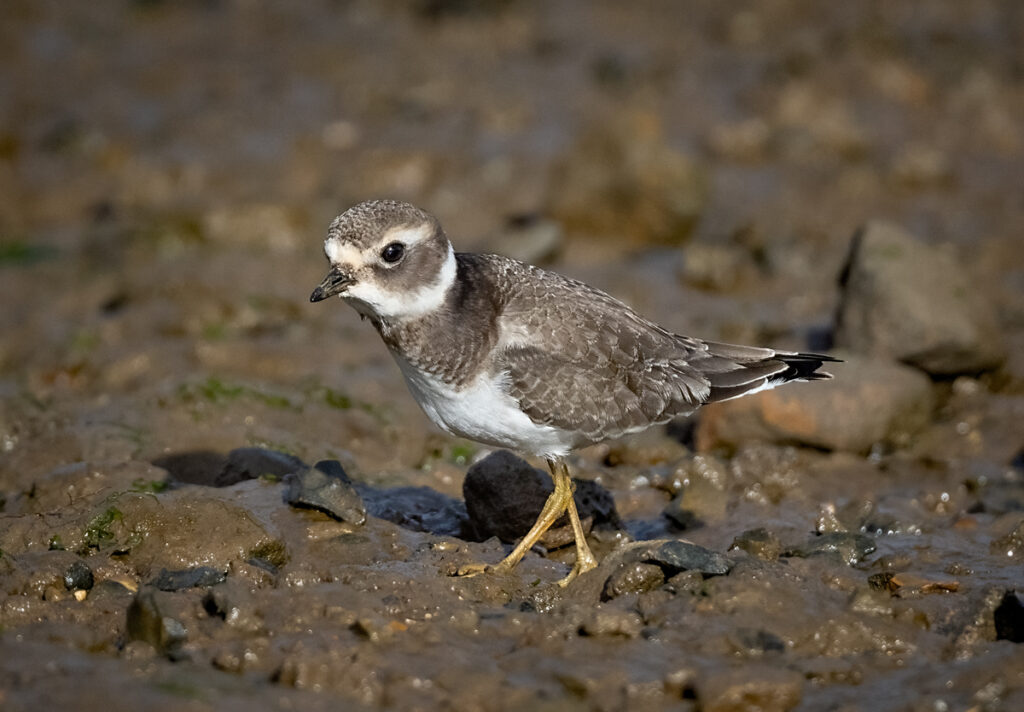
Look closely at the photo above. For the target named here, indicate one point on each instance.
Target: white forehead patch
(342, 253)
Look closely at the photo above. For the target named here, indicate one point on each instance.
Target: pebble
(198, 577)
(908, 301)
(327, 488)
(683, 556)
(78, 577)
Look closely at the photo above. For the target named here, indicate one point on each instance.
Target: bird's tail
(734, 371)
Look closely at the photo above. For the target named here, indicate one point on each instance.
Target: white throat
(412, 305)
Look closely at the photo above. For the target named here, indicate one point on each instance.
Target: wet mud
(214, 495)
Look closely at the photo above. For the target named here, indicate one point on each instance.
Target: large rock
(914, 303)
(505, 494)
(869, 401)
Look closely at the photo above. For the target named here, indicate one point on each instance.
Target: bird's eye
(393, 252)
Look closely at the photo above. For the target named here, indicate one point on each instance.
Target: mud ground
(167, 171)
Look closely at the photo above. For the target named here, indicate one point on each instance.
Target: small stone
(327, 488)
(78, 577)
(635, 577)
(915, 303)
(1009, 618)
(850, 548)
(199, 577)
(677, 555)
(758, 542)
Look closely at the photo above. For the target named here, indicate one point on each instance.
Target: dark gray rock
(327, 488)
(1009, 618)
(504, 495)
(420, 509)
(848, 547)
(78, 577)
(679, 555)
(199, 577)
(914, 303)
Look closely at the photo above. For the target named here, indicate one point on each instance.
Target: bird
(518, 357)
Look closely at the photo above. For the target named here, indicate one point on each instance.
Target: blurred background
(167, 169)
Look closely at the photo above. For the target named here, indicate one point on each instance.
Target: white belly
(482, 411)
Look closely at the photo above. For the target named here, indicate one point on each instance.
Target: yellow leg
(558, 502)
(585, 560)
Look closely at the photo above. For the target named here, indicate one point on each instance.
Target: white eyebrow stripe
(408, 236)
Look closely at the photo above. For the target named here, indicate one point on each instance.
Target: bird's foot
(473, 570)
(585, 562)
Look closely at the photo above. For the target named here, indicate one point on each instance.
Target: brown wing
(597, 369)
(601, 370)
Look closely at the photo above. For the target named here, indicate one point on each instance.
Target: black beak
(334, 283)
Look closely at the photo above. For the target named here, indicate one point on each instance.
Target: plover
(514, 356)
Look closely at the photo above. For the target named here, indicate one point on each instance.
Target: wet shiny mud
(214, 495)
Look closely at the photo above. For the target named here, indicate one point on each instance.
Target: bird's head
(389, 260)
